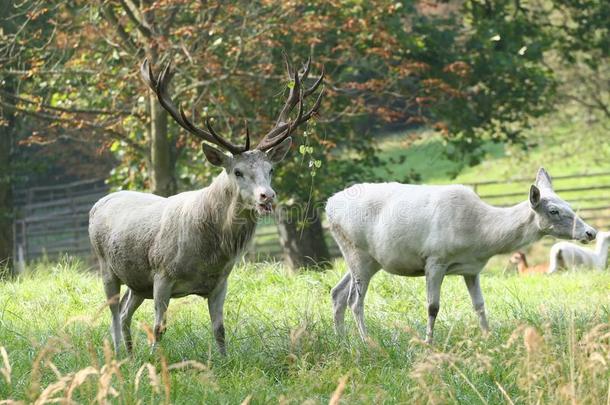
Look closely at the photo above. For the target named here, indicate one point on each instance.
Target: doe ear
(543, 180)
(278, 153)
(534, 196)
(215, 156)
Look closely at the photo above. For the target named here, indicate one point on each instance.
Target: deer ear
(534, 196)
(214, 156)
(278, 153)
(543, 180)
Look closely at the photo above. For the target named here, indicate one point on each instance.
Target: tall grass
(550, 342)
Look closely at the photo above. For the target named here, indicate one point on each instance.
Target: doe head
(554, 216)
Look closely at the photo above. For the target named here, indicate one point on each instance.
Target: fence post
(24, 237)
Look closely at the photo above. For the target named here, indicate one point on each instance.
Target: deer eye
(554, 212)
(238, 173)
(271, 171)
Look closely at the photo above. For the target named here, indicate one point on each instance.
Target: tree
(473, 72)
(581, 55)
(15, 54)
(7, 122)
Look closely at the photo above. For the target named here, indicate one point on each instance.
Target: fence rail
(588, 193)
(53, 220)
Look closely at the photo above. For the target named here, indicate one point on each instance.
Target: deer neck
(522, 267)
(508, 229)
(223, 207)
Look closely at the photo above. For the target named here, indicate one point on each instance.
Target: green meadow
(550, 342)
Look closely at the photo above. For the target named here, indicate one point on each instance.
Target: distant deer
(524, 269)
(434, 231)
(164, 248)
(568, 255)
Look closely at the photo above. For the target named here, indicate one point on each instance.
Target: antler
(159, 86)
(283, 126)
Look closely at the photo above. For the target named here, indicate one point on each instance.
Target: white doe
(569, 255)
(164, 248)
(434, 231)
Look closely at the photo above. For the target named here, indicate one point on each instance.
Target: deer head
(554, 216)
(518, 257)
(250, 170)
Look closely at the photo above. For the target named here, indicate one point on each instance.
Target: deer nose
(267, 195)
(591, 233)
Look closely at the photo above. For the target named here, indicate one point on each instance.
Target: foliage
(398, 63)
(581, 54)
(549, 342)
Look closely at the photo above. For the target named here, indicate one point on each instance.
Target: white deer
(434, 231)
(164, 248)
(569, 255)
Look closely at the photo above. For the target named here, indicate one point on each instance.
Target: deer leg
(554, 261)
(434, 279)
(339, 295)
(357, 292)
(129, 304)
(473, 284)
(216, 302)
(112, 288)
(362, 267)
(162, 291)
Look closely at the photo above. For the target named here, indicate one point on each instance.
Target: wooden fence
(588, 194)
(53, 220)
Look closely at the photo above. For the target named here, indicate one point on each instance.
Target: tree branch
(131, 10)
(81, 123)
(68, 110)
(112, 19)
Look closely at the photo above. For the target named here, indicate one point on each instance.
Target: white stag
(569, 255)
(164, 248)
(434, 231)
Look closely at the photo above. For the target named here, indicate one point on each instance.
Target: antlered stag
(434, 231)
(164, 248)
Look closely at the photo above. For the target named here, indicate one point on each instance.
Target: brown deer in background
(524, 269)
(164, 248)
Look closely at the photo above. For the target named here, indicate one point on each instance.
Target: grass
(562, 143)
(550, 342)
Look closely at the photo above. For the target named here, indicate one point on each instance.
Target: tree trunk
(163, 182)
(7, 122)
(162, 163)
(302, 247)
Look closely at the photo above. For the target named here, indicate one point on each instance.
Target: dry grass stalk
(79, 378)
(48, 393)
(504, 393)
(110, 369)
(165, 379)
(153, 378)
(338, 393)
(188, 364)
(47, 351)
(6, 365)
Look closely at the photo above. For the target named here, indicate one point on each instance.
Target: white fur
(570, 255)
(164, 248)
(433, 231)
